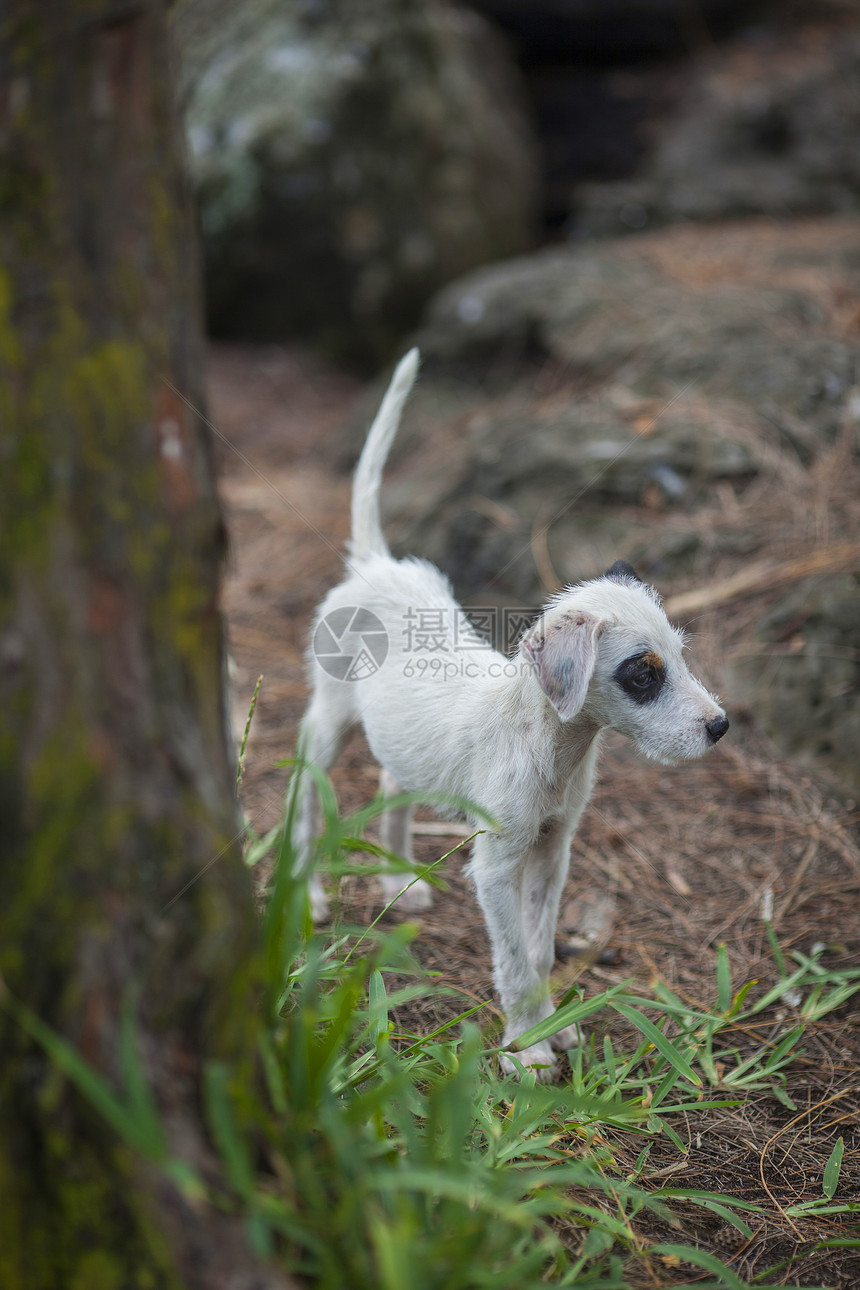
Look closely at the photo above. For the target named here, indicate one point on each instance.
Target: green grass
(408, 1160)
(367, 1156)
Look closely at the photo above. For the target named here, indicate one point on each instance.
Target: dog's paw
(564, 1039)
(414, 899)
(539, 1058)
(320, 910)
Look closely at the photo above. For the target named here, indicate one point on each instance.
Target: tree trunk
(120, 875)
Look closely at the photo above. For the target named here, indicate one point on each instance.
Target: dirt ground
(668, 864)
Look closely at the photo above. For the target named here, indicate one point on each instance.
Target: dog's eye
(642, 677)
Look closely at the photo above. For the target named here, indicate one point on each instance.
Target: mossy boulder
(348, 160)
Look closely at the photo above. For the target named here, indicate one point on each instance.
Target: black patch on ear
(620, 571)
(642, 677)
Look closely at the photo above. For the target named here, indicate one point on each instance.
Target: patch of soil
(679, 860)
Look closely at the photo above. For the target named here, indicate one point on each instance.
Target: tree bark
(120, 873)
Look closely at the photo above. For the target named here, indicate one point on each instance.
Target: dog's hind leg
(395, 835)
(325, 729)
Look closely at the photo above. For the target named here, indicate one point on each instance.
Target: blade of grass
(702, 1259)
(663, 1045)
(832, 1169)
(240, 763)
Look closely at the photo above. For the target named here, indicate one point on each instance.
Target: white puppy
(518, 736)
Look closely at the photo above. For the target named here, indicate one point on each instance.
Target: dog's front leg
(498, 872)
(543, 881)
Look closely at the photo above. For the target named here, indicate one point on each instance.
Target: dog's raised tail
(367, 537)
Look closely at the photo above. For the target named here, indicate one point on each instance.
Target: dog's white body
(518, 736)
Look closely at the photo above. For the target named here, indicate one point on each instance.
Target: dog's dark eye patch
(642, 676)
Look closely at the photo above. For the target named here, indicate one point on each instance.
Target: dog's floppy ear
(562, 649)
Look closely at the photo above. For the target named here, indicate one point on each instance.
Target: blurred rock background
(625, 234)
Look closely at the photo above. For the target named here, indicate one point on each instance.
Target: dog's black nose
(717, 728)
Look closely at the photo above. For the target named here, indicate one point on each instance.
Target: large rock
(349, 159)
(598, 384)
(805, 682)
(601, 29)
(688, 401)
(767, 124)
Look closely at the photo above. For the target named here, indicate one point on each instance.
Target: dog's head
(607, 651)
